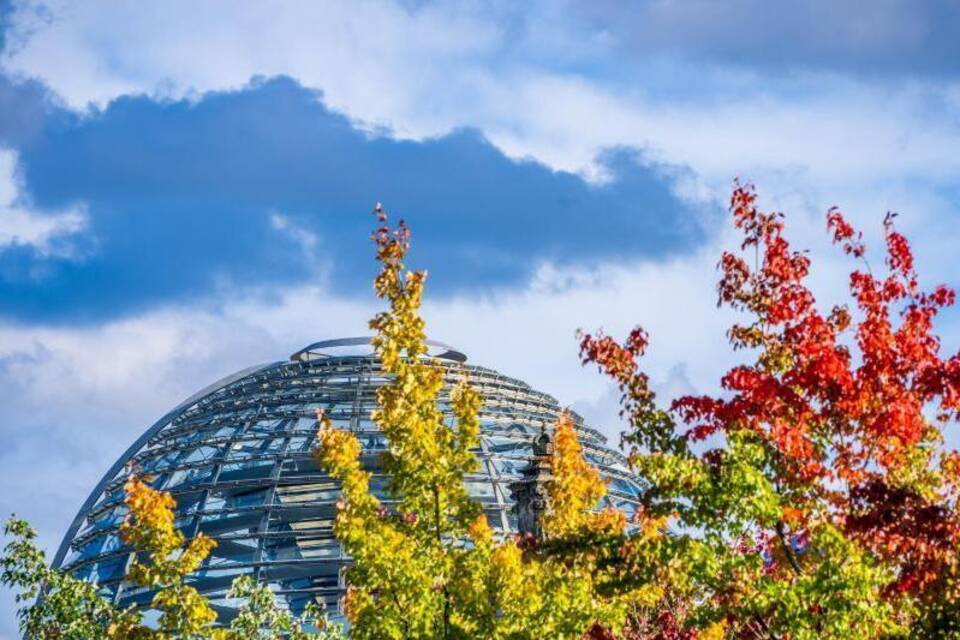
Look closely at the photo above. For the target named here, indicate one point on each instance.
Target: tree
(429, 566)
(163, 562)
(73, 609)
(828, 507)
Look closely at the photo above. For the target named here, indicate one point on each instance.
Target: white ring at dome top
(333, 348)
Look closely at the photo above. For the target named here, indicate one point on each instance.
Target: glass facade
(237, 458)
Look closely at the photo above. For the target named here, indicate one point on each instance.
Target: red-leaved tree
(829, 508)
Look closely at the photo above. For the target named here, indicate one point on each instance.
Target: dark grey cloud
(878, 37)
(181, 199)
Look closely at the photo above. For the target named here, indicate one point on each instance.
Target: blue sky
(185, 187)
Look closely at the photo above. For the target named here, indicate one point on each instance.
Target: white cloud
(822, 139)
(20, 224)
(360, 50)
(306, 240)
(810, 140)
(427, 70)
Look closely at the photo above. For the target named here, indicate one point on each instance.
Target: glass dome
(237, 458)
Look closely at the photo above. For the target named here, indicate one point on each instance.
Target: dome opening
(361, 347)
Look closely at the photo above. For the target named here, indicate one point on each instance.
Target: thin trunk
(446, 593)
(788, 550)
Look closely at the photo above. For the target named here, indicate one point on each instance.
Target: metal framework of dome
(237, 458)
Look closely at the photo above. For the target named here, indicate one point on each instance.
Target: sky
(186, 187)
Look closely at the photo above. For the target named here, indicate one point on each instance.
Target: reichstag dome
(237, 458)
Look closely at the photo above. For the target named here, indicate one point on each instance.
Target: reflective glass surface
(237, 458)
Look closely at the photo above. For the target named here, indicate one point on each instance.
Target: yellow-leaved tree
(429, 566)
(165, 559)
(72, 609)
(164, 563)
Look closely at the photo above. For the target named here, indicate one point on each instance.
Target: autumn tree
(814, 498)
(70, 607)
(428, 565)
(58, 605)
(165, 562)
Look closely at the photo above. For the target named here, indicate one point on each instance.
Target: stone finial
(530, 491)
(543, 446)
